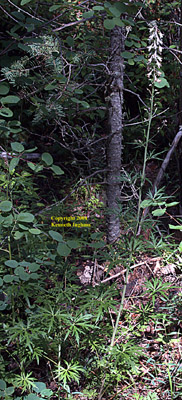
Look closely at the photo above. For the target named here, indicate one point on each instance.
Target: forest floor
(159, 334)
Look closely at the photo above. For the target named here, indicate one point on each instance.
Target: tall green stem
(139, 220)
(120, 309)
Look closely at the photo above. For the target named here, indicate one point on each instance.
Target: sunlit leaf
(146, 203)
(159, 212)
(180, 247)
(176, 227)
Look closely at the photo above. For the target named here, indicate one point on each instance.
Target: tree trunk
(114, 145)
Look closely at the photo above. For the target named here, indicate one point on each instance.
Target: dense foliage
(70, 327)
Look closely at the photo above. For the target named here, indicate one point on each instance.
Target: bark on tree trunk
(114, 145)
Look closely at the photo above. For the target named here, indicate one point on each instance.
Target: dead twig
(133, 266)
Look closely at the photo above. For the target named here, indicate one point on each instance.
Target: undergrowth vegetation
(63, 333)
(81, 318)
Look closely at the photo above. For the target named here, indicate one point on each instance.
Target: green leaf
(18, 235)
(97, 245)
(56, 236)
(32, 396)
(57, 170)
(8, 278)
(23, 47)
(9, 391)
(63, 250)
(46, 393)
(7, 221)
(127, 55)
(2, 384)
(34, 276)
(1, 282)
(140, 59)
(18, 270)
(55, 7)
(121, 7)
(35, 231)
(13, 163)
(18, 147)
(47, 158)
(50, 86)
(6, 112)
(129, 43)
(33, 267)
(10, 100)
(70, 41)
(19, 15)
(174, 203)
(98, 8)
(30, 150)
(23, 2)
(30, 27)
(84, 104)
(109, 23)
(39, 386)
(162, 83)
(176, 227)
(180, 247)
(11, 263)
(35, 167)
(6, 206)
(4, 88)
(75, 100)
(118, 22)
(115, 11)
(159, 212)
(131, 62)
(88, 14)
(32, 166)
(107, 4)
(24, 276)
(23, 227)
(146, 203)
(25, 217)
(73, 244)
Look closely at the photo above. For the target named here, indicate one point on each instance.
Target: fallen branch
(30, 156)
(133, 266)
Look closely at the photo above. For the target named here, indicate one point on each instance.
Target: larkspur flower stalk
(154, 74)
(155, 52)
